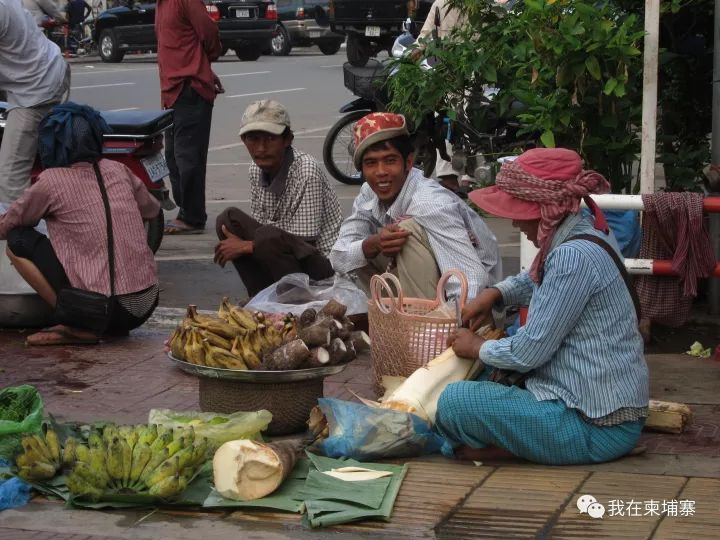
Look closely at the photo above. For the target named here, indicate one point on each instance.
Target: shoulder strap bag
(87, 309)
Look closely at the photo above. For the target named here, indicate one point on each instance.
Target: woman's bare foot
(61, 334)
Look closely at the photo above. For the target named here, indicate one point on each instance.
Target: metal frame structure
(634, 266)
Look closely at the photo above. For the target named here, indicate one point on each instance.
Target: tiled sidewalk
(122, 380)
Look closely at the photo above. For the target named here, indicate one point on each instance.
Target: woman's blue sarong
(483, 413)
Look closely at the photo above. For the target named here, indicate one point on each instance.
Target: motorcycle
(368, 84)
(136, 141)
(73, 43)
(474, 137)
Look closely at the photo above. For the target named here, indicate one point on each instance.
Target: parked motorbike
(368, 84)
(136, 141)
(474, 137)
(74, 43)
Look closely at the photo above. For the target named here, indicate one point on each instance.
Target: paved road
(308, 83)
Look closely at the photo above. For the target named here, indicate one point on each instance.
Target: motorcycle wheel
(155, 228)
(338, 150)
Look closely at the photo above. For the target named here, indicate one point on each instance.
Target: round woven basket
(290, 402)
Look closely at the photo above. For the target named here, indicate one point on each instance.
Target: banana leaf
(367, 493)
(55, 487)
(285, 499)
(325, 513)
(326, 500)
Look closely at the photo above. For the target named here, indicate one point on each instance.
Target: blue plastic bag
(625, 225)
(366, 433)
(13, 492)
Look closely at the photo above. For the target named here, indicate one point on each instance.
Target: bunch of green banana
(42, 456)
(139, 459)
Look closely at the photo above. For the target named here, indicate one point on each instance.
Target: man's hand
(219, 89)
(392, 239)
(477, 312)
(231, 248)
(389, 241)
(465, 343)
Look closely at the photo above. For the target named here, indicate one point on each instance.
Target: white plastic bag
(295, 293)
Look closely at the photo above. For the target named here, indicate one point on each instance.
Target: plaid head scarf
(555, 180)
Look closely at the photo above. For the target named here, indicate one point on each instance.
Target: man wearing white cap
(295, 215)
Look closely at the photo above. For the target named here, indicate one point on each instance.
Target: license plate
(242, 13)
(372, 31)
(315, 33)
(156, 167)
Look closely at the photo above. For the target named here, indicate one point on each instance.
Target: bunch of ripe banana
(42, 456)
(137, 459)
(236, 339)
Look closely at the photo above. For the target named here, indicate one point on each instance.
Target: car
(297, 27)
(372, 25)
(246, 26)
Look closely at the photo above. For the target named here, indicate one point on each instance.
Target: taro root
(350, 353)
(319, 357)
(289, 356)
(316, 335)
(360, 340)
(338, 351)
(334, 309)
(307, 317)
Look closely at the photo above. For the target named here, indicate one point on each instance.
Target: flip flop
(64, 338)
(176, 230)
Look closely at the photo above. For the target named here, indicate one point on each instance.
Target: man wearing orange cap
(571, 386)
(408, 223)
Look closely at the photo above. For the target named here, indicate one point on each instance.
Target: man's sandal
(174, 229)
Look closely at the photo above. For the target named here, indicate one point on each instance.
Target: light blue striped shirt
(581, 338)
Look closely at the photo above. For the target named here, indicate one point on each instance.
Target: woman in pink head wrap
(571, 386)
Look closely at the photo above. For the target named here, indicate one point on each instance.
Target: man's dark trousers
(276, 253)
(186, 150)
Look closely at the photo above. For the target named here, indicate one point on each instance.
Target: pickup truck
(372, 25)
(297, 27)
(246, 26)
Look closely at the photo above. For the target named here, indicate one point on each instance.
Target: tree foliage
(575, 65)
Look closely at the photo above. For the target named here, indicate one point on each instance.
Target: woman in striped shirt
(67, 196)
(572, 385)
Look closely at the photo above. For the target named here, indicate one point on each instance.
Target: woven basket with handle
(404, 337)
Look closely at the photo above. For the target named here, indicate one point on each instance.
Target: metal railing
(653, 267)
